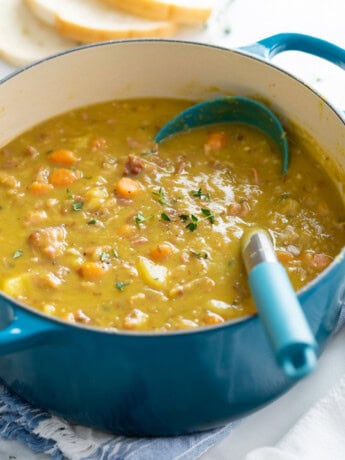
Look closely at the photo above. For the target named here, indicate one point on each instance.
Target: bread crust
(158, 10)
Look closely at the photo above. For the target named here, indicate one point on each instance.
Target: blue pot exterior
(152, 385)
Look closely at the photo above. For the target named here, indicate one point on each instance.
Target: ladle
(278, 307)
(229, 109)
(291, 339)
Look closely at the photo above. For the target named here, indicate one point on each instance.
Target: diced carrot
(92, 271)
(69, 317)
(215, 141)
(234, 209)
(284, 256)
(322, 260)
(316, 260)
(127, 187)
(162, 251)
(126, 230)
(307, 257)
(40, 188)
(241, 209)
(62, 176)
(81, 317)
(212, 319)
(98, 143)
(63, 157)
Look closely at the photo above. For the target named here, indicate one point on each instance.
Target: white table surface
(237, 23)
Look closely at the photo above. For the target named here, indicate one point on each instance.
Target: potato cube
(155, 275)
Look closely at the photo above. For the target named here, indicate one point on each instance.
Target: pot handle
(24, 329)
(271, 46)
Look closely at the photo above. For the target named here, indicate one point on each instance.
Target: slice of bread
(22, 37)
(180, 11)
(91, 20)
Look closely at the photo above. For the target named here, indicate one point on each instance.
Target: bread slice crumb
(91, 20)
(23, 39)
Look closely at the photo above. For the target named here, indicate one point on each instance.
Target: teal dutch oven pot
(153, 384)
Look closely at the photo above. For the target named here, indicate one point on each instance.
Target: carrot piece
(92, 271)
(162, 251)
(127, 187)
(284, 256)
(62, 176)
(63, 157)
(98, 143)
(212, 319)
(69, 317)
(126, 230)
(216, 141)
(322, 260)
(316, 260)
(40, 188)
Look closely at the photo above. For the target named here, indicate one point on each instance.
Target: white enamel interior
(162, 69)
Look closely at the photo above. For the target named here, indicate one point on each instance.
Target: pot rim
(199, 330)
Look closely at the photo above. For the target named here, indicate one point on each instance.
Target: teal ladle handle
(278, 307)
(282, 317)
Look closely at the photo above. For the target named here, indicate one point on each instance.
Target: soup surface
(100, 226)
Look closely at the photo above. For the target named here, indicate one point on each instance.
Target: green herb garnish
(92, 222)
(192, 225)
(192, 221)
(200, 194)
(18, 253)
(69, 194)
(231, 263)
(199, 255)
(165, 217)
(120, 285)
(284, 196)
(208, 214)
(149, 152)
(77, 205)
(139, 219)
(104, 256)
(161, 196)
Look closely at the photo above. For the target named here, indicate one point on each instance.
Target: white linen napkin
(318, 435)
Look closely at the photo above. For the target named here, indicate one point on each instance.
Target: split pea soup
(102, 227)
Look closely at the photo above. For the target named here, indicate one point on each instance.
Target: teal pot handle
(269, 47)
(276, 44)
(22, 329)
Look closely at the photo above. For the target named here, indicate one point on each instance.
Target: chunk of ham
(49, 241)
(133, 166)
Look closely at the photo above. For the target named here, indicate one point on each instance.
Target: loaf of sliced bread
(92, 20)
(180, 11)
(22, 37)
